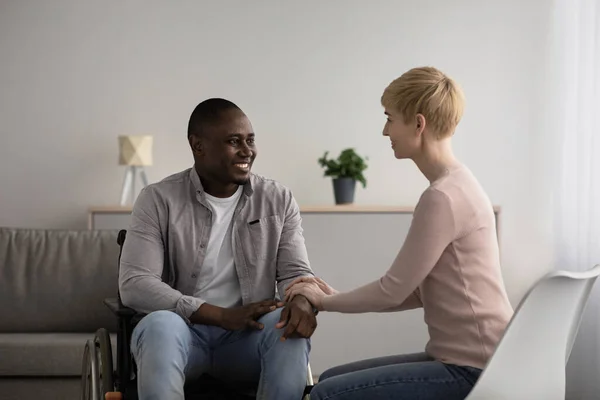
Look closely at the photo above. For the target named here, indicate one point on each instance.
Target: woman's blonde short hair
(426, 91)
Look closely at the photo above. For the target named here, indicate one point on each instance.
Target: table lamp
(135, 151)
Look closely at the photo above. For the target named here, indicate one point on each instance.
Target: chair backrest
(530, 359)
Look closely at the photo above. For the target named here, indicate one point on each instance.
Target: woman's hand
(313, 288)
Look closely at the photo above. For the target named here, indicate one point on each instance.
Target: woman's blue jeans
(411, 377)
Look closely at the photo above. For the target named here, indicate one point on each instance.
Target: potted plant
(345, 171)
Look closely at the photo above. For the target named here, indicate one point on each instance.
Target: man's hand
(299, 317)
(238, 318)
(234, 319)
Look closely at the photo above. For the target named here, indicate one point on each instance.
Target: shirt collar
(248, 189)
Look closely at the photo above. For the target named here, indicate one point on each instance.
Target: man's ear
(196, 144)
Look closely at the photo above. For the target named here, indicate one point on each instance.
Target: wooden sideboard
(118, 217)
(348, 246)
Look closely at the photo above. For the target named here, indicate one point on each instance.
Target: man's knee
(269, 321)
(160, 326)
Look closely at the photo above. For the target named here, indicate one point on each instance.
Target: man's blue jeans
(168, 352)
(407, 377)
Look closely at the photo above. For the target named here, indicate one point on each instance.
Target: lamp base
(129, 182)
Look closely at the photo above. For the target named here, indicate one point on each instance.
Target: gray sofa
(52, 287)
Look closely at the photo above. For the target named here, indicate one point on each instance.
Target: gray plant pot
(343, 189)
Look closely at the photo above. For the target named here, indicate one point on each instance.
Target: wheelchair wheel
(89, 373)
(97, 368)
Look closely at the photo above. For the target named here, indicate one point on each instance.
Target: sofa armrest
(119, 309)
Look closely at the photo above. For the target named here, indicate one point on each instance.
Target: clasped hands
(301, 297)
(297, 317)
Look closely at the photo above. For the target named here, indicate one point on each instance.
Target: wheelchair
(101, 381)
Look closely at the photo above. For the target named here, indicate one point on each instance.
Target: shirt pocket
(265, 234)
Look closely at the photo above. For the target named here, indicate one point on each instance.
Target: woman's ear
(420, 119)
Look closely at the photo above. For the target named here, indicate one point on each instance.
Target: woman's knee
(337, 371)
(331, 372)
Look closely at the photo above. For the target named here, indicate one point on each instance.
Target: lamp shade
(135, 150)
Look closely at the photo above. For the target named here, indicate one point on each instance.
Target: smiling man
(204, 253)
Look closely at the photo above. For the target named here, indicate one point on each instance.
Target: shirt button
(203, 245)
(194, 275)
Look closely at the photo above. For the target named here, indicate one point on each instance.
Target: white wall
(75, 74)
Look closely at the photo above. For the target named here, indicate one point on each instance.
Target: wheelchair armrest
(119, 309)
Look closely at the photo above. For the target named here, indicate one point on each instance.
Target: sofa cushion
(44, 354)
(31, 388)
(57, 280)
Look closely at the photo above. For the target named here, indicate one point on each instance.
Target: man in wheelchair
(228, 241)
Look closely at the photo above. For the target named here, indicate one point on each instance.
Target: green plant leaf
(348, 165)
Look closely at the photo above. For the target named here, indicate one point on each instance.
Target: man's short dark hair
(207, 114)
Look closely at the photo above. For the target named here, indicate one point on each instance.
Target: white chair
(530, 360)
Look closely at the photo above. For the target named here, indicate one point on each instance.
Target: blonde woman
(448, 264)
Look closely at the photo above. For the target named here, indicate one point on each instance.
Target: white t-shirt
(218, 283)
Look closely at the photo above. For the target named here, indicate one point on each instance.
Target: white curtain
(575, 49)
